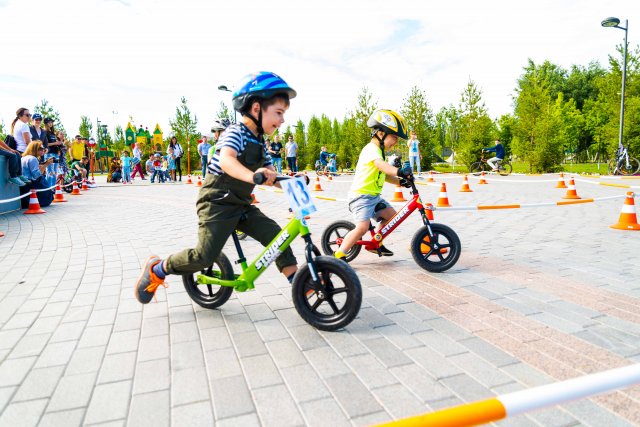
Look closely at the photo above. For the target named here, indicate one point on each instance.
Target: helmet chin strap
(381, 141)
(258, 123)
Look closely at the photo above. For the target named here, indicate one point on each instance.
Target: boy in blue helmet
(224, 202)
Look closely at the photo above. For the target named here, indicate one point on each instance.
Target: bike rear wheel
(438, 254)
(335, 231)
(210, 296)
(476, 168)
(631, 168)
(334, 307)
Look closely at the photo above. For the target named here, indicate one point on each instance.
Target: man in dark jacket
(499, 150)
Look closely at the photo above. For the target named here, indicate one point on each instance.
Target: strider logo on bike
(272, 252)
(395, 220)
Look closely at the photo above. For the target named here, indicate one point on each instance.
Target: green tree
(314, 142)
(327, 137)
(184, 128)
(224, 112)
(347, 155)
(48, 111)
(300, 139)
(476, 129)
(118, 139)
(419, 117)
(86, 127)
(364, 108)
(506, 124)
(3, 133)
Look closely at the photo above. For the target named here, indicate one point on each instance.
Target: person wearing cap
(37, 132)
(77, 149)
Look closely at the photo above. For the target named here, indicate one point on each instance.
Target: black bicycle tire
(326, 239)
(455, 248)
(505, 168)
(307, 302)
(213, 300)
(476, 168)
(634, 170)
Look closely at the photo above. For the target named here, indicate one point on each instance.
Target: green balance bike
(326, 291)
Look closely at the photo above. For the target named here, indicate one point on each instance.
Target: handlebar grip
(259, 178)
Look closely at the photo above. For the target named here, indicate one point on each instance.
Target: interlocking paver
(505, 318)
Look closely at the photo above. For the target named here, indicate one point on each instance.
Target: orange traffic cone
(59, 197)
(85, 187)
(330, 178)
(199, 181)
(317, 186)
(431, 177)
(571, 192)
(561, 183)
(254, 201)
(397, 195)
(189, 180)
(93, 181)
(482, 180)
(75, 190)
(428, 211)
(443, 198)
(628, 219)
(34, 204)
(465, 186)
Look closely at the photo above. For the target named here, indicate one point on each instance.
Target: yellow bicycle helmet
(389, 122)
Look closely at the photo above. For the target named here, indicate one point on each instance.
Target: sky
(116, 59)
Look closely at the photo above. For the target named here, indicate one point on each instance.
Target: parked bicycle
(326, 291)
(504, 166)
(623, 164)
(434, 247)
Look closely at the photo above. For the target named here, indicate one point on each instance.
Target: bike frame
(376, 238)
(250, 273)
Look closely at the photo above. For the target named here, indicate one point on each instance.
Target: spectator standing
(203, 152)
(64, 144)
(20, 129)
(171, 164)
(414, 152)
(136, 162)
(177, 151)
(275, 149)
(125, 160)
(37, 132)
(291, 149)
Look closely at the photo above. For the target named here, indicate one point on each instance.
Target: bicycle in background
(623, 164)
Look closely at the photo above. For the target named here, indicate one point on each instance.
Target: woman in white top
(20, 129)
(177, 152)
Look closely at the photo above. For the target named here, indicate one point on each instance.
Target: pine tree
(184, 128)
(476, 127)
(419, 118)
(86, 127)
(48, 111)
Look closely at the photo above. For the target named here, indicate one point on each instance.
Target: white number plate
(299, 196)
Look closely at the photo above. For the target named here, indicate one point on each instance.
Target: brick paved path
(538, 295)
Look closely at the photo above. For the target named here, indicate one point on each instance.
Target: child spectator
(115, 170)
(171, 164)
(126, 168)
(333, 168)
(224, 203)
(157, 169)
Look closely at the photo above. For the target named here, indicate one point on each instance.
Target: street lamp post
(615, 23)
(226, 89)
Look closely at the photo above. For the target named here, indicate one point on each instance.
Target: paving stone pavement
(538, 295)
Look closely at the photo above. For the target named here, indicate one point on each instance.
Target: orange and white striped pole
(519, 402)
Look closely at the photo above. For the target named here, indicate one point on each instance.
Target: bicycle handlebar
(259, 178)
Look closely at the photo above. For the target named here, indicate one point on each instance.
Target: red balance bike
(435, 247)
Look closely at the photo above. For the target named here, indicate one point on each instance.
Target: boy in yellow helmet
(371, 172)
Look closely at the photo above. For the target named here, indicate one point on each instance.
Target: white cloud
(138, 57)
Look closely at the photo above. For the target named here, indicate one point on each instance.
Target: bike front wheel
(505, 168)
(630, 168)
(335, 306)
(210, 296)
(476, 168)
(333, 234)
(438, 253)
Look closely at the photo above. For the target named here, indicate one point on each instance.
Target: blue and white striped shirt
(236, 136)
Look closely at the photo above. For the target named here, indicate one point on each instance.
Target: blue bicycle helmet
(263, 84)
